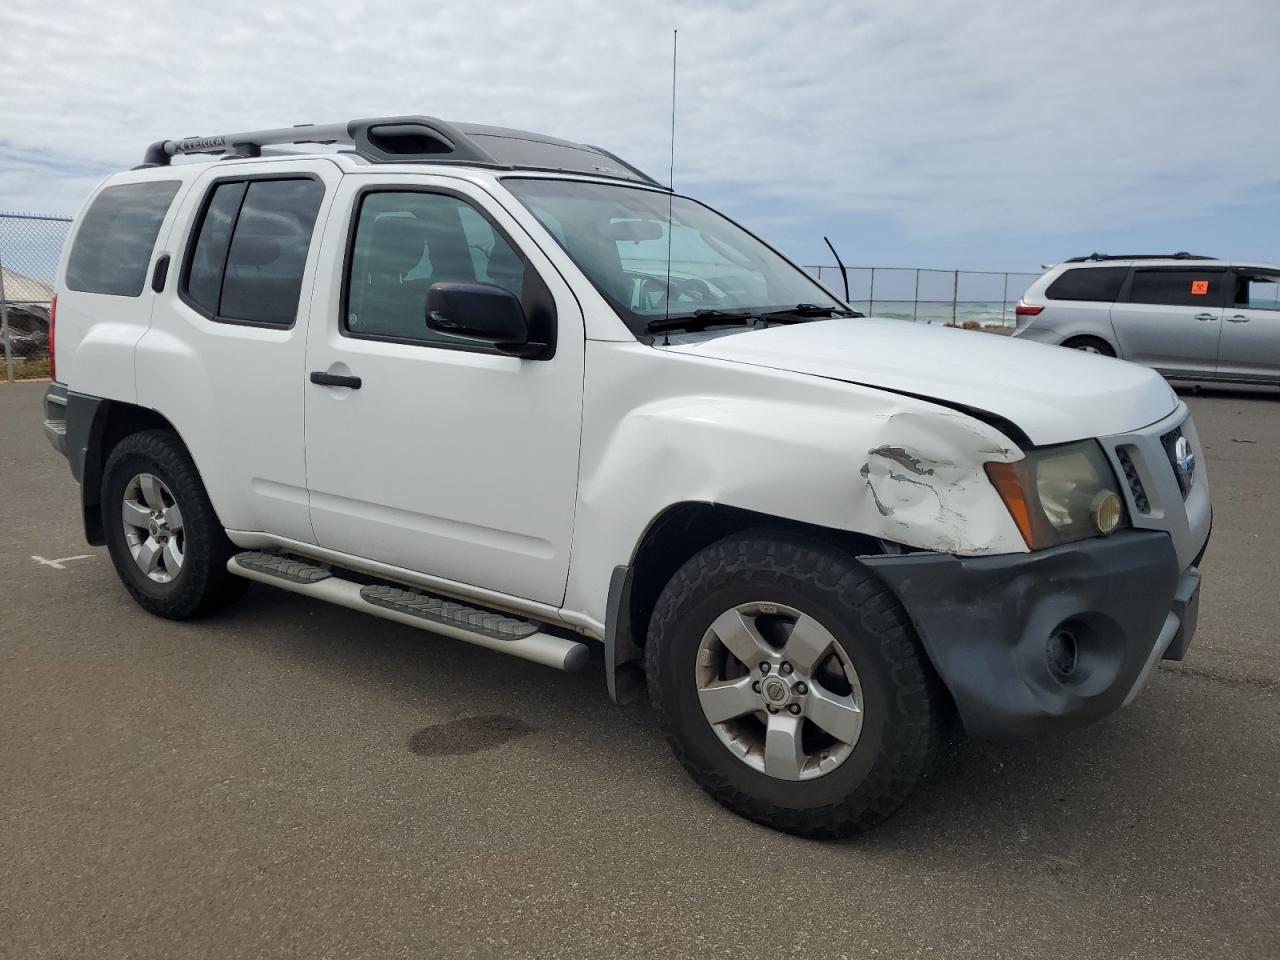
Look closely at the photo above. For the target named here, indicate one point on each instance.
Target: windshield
(618, 236)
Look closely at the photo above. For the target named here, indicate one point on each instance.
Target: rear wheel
(790, 684)
(165, 541)
(1090, 345)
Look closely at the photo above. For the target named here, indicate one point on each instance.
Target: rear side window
(114, 243)
(247, 257)
(1178, 288)
(1260, 291)
(1088, 283)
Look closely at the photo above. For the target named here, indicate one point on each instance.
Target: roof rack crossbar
(414, 139)
(380, 139)
(1180, 255)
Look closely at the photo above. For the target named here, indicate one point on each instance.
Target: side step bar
(484, 628)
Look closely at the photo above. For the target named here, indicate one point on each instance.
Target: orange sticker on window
(1199, 288)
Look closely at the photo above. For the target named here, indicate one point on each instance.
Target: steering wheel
(688, 290)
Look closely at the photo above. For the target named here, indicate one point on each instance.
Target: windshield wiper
(707, 317)
(806, 311)
(701, 319)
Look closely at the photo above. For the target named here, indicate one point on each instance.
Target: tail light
(1027, 310)
(53, 326)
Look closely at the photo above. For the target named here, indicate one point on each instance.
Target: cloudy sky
(979, 135)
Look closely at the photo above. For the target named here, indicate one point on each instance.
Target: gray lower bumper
(55, 416)
(996, 628)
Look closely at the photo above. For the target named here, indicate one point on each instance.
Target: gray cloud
(950, 117)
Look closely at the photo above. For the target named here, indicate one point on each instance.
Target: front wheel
(790, 684)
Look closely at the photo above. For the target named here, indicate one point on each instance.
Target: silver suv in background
(1189, 317)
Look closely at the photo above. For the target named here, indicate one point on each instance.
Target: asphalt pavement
(293, 779)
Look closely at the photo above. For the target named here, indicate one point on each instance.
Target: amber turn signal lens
(1013, 483)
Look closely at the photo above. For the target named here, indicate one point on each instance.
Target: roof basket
(1180, 255)
(416, 140)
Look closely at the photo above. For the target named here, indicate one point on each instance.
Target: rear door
(1250, 346)
(1170, 318)
(223, 360)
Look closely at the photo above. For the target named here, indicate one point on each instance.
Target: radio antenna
(844, 273)
(671, 186)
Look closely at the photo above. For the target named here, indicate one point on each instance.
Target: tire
(191, 579)
(903, 705)
(1090, 345)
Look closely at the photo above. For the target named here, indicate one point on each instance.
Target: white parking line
(58, 564)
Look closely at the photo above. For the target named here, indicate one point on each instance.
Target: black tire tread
(207, 586)
(1104, 348)
(912, 744)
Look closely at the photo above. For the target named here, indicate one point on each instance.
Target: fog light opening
(1061, 655)
(1107, 511)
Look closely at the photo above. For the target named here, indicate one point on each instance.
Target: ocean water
(985, 312)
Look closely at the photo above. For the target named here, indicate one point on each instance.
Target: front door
(460, 464)
(1170, 318)
(1250, 346)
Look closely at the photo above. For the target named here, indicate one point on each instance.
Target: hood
(1052, 394)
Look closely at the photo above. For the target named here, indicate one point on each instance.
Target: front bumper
(1121, 602)
(1038, 334)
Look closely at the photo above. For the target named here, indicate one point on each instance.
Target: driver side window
(404, 241)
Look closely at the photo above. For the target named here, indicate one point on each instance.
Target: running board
(484, 628)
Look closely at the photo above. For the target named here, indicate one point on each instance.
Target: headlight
(1060, 494)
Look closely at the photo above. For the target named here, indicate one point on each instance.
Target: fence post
(955, 292)
(871, 303)
(915, 297)
(4, 327)
(1004, 301)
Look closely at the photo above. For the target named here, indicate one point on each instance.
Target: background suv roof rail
(1180, 255)
(416, 139)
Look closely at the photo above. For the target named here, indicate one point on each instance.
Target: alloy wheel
(778, 691)
(152, 524)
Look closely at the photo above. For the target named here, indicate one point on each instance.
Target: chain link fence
(962, 298)
(29, 249)
(30, 246)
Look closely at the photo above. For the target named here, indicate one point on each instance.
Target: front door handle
(334, 380)
(1238, 318)
(1205, 317)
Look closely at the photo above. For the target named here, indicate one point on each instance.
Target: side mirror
(481, 314)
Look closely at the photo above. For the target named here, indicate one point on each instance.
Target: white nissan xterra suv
(508, 389)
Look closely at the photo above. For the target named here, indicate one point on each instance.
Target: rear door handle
(160, 274)
(334, 380)
(1206, 316)
(1238, 318)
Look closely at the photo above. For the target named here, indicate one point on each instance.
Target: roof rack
(417, 140)
(1180, 255)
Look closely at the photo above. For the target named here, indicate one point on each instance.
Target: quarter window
(250, 250)
(1088, 283)
(1258, 292)
(1178, 288)
(116, 236)
(406, 241)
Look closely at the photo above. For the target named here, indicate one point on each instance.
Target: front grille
(1135, 482)
(1170, 443)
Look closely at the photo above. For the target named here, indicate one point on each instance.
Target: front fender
(664, 428)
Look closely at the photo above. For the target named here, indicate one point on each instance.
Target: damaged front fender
(816, 451)
(927, 482)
